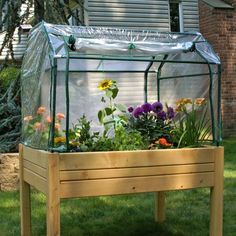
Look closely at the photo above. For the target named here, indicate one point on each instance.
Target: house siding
(150, 14)
(19, 46)
(138, 14)
(190, 15)
(19, 42)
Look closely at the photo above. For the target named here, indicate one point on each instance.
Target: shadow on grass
(129, 215)
(187, 214)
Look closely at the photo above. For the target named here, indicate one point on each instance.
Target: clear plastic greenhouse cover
(63, 66)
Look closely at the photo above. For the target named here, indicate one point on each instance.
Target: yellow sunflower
(105, 84)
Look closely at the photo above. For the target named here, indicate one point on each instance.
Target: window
(73, 19)
(176, 16)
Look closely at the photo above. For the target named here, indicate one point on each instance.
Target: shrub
(10, 117)
(7, 75)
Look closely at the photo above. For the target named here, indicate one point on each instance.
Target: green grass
(131, 215)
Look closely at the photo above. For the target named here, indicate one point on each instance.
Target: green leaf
(84, 148)
(115, 92)
(109, 93)
(101, 115)
(108, 111)
(123, 118)
(103, 100)
(121, 107)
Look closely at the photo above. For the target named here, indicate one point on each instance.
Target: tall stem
(112, 114)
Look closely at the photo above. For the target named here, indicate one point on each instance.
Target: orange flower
(179, 101)
(183, 101)
(60, 116)
(187, 101)
(164, 143)
(41, 110)
(37, 126)
(60, 140)
(28, 118)
(200, 101)
(179, 108)
(57, 126)
(48, 119)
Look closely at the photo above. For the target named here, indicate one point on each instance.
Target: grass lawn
(131, 215)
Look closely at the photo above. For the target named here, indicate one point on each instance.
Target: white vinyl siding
(19, 46)
(19, 43)
(149, 14)
(190, 15)
(137, 14)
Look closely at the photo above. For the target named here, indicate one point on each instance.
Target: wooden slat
(35, 168)
(35, 180)
(53, 197)
(134, 172)
(37, 157)
(104, 160)
(25, 204)
(160, 207)
(216, 220)
(135, 185)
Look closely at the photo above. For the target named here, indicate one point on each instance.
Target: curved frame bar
(159, 75)
(216, 141)
(146, 79)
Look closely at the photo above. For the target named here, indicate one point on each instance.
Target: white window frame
(181, 15)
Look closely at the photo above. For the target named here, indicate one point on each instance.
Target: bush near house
(7, 76)
(10, 111)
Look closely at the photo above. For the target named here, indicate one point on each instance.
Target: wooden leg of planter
(216, 221)
(53, 196)
(160, 214)
(25, 208)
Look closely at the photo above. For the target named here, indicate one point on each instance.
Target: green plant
(7, 76)
(113, 115)
(193, 127)
(80, 137)
(102, 143)
(37, 127)
(152, 121)
(128, 140)
(10, 121)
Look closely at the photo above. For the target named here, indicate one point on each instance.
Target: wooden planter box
(70, 175)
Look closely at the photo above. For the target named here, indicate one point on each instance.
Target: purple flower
(157, 107)
(130, 109)
(170, 113)
(161, 115)
(147, 107)
(138, 112)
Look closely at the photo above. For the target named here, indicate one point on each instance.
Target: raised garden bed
(169, 99)
(71, 175)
